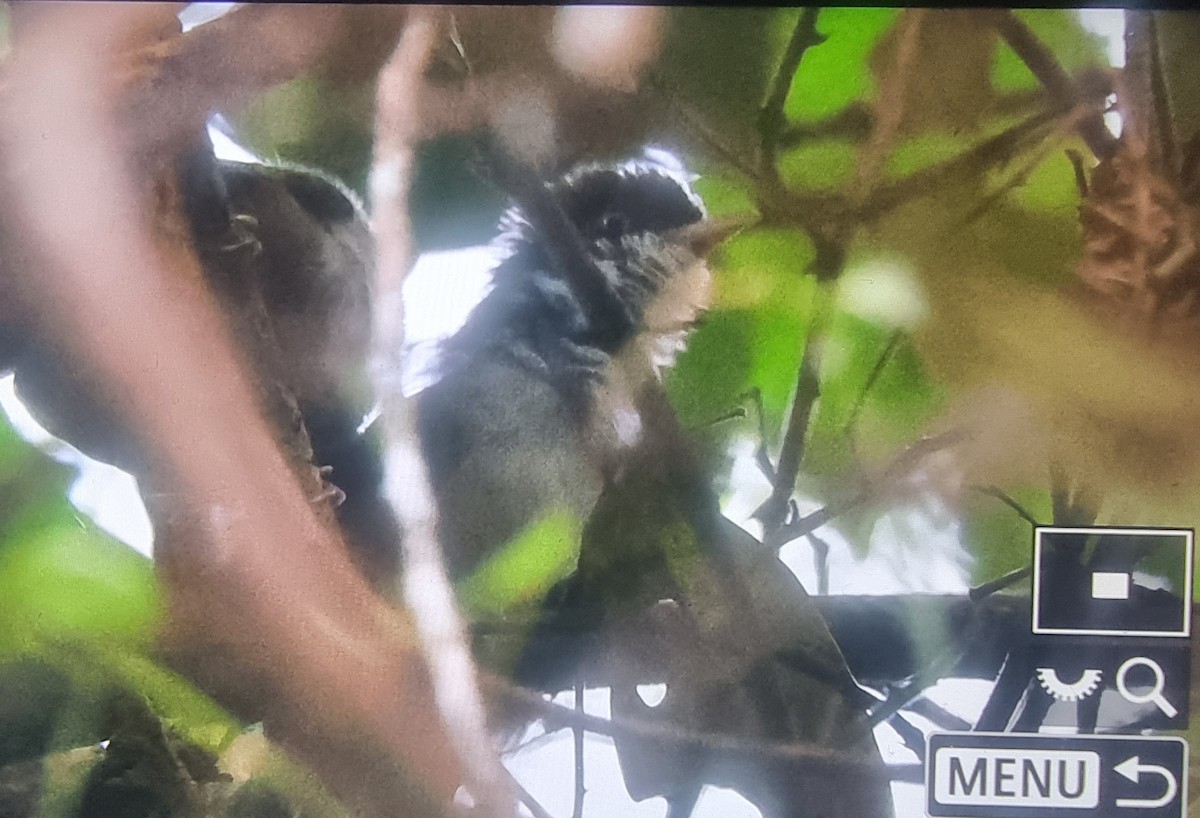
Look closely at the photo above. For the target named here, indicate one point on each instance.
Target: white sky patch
(1109, 24)
(104, 493)
(439, 294)
(547, 769)
(196, 14)
(719, 802)
(224, 146)
(908, 799)
(891, 747)
(964, 698)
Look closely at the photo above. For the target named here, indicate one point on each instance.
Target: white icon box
(1110, 585)
(1110, 588)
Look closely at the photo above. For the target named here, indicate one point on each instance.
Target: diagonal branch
(224, 65)
(262, 594)
(872, 487)
(1062, 89)
(815, 756)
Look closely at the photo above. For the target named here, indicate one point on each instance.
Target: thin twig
(991, 152)
(577, 737)
(999, 583)
(773, 511)
(532, 804)
(1081, 179)
(1045, 66)
(872, 378)
(995, 491)
(1032, 163)
(762, 457)
(426, 584)
(771, 119)
(808, 385)
(828, 267)
(856, 120)
(902, 464)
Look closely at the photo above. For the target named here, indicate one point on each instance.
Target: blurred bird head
(645, 231)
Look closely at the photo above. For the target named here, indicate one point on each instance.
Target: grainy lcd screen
(597, 411)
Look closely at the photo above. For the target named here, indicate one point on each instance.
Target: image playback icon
(1112, 581)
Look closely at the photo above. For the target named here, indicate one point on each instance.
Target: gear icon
(1081, 688)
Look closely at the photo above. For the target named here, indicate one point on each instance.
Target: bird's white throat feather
(666, 322)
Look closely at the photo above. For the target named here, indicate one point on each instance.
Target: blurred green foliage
(78, 615)
(519, 575)
(837, 72)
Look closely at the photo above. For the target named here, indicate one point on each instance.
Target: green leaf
(765, 268)
(820, 165)
(997, 537)
(71, 581)
(183, 708)
(714, 370)
(523, 571)
(836, 73)
(723, 195)
(923, 151)
(1051, 188)
(752, 335)
(313, 123)
(875, 394)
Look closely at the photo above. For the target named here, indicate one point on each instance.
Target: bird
(535, 408)
(550, 398)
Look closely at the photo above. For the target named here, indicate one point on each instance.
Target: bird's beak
(704, 236)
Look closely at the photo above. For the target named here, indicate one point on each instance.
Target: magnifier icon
(1154, 694)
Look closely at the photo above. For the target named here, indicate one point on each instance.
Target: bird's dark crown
(625, 214)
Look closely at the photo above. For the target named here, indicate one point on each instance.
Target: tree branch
(771, 119)
(224, 65)
(813, 756)
(1062, 89)
(904, 462)
(263, 600)
(773, 511)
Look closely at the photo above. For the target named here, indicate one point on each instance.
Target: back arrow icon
(1132, 768)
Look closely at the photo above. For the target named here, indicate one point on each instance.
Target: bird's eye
(613, 225)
